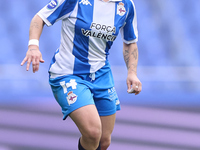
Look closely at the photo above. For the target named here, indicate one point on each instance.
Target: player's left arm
(130, 52)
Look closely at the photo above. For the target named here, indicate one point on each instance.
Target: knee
(105, 142)
(93, 134)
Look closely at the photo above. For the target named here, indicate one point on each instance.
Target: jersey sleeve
(129, 31)
(56, 10)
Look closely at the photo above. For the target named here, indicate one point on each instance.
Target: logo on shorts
(71, 98)
(112, 94)
(111, 90)
(52, 4)
(121, 9)
(117, 102)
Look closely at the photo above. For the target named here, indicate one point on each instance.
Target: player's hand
(33, 55)
(133, 84)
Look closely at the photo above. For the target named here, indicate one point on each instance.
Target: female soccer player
(80, 74)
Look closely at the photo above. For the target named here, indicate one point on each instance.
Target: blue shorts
(75, 91)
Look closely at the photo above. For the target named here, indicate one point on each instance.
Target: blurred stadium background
(164, 116)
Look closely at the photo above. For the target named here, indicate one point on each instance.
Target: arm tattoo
(126, 57)
(35, 25)
(127, 54)
(135, 53)
(133, 69)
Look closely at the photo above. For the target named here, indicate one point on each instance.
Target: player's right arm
(33, 54)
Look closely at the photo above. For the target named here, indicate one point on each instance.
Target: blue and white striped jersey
(89, 28)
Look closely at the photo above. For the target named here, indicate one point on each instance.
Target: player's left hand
(133, 84)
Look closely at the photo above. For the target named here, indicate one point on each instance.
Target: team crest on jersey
(121, 9)
(85, 2)
(52, 4)
(71, 98)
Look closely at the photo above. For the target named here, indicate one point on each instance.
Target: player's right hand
(33, 55)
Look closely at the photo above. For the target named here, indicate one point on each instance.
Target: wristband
(33, 42)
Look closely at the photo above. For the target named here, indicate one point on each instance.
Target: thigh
(108, 123)
(86, 119)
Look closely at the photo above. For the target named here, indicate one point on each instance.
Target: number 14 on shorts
(72, 83)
